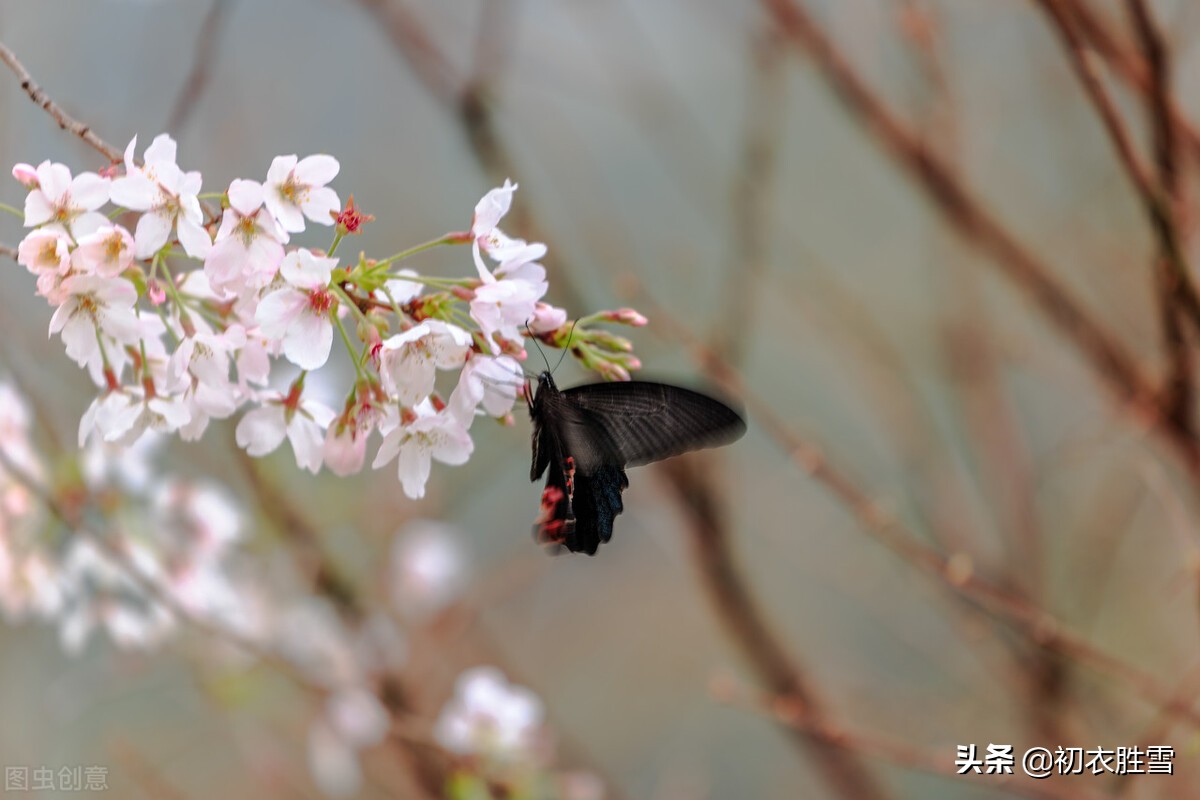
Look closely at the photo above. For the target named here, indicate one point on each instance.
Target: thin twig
(1128, 65)
(1177, 292)
(1119, 372)
(64, 120)
(890, 750)
(8, 252)
(1036, 625)
(198, 78)
(745, 622)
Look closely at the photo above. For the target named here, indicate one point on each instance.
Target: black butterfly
(584, 437)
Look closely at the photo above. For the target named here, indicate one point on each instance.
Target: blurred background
(943, 526)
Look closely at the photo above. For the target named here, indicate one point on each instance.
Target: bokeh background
(689, 160)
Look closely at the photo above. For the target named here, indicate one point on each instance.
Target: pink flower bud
(547, 318)
(627, 316)
(26, 174)
(156, 292)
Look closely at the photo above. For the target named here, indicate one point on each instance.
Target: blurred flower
(45, 251)
(489, 717)
(502, 307)
(333, 762)
(428, 567)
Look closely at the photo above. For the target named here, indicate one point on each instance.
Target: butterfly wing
(636, 422)
(584, 438)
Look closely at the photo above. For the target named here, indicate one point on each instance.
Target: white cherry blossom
(409, 361)
(167, 195)
(414, 445)
(95, 309)
(65, 203)
(107, 252)
(249, 243)
(488, 716)
(503, 306)
(263, 429)
(296, 189)
(298, 314)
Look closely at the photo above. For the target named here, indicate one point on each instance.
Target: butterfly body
(584, 438)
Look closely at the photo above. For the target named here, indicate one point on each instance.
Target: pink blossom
(262, 430)
(249, 244)
(296, 189)
(502, 307)
(65, 203)
(106, 252)
(409, 361)
(95, 309)
(298, 315)
(45, 250)
(431, 435)
(167, 195)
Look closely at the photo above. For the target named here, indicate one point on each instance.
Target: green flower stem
(420, 248)
(16, 212)
(337, 239)
(345, 298)
(354, 355)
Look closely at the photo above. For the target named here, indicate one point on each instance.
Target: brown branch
(1177, 292)
(8, 252)
(1120, 374)
(64, 120)
(198, 76)
(1129, 66)
(746, 624)
(1037, 626)
(890, 750)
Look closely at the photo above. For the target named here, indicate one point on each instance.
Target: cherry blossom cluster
(179, 311)
(140, 550)
(498, 729)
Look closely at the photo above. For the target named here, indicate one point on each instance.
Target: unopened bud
(26, 175)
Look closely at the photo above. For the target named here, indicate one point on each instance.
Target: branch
(1036, 625)
(197, 79)
(1119, 372)
(745, 622)
(1176, 294)
(64, 120)
(897, 752)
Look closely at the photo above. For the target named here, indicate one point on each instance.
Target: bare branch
(64, 120)
(197, 79)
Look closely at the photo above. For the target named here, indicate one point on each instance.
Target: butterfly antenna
(538, 346)
(567, 348)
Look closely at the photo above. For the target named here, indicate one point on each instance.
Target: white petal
(134, 191)
(194, 238)
(162, 149)
(317, 170)
(280, 167)
(388, 448)
(414, 466)
(308, 442)
(54, 180)
(245, 196)
(37, 208)
(89, 191)
(308, 340)
(261, 430)
(153, 230)
(321, 206)
(277, 310)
